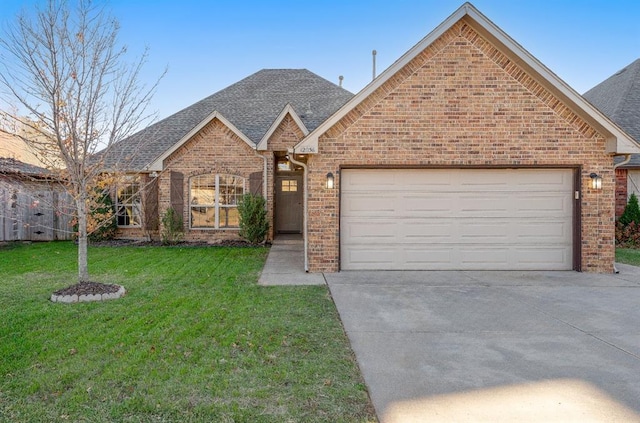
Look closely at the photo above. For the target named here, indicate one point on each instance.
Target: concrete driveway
(495, 346)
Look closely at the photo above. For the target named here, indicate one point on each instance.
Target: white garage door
(444, 219)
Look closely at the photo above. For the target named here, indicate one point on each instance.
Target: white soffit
(288, 109)
(618, 142)
(157, 164)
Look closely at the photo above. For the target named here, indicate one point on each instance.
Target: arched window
(213, 201)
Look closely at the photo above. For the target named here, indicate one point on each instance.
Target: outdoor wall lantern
(330, 180)
(596, 181)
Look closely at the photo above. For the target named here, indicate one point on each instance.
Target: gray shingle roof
(618, 98)
(13, 166)
(252, 105)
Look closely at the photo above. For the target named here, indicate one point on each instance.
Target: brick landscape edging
(86, 298)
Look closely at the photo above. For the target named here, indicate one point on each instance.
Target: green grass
(628, 256)
(194, 340)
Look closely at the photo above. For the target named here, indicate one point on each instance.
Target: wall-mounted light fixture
(596, 181)
(330, 181)
(154, 174)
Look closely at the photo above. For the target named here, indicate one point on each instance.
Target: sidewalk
(285, 264)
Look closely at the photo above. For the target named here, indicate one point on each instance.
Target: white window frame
(216, 205)
(134, 204)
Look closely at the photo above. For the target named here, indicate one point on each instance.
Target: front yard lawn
(628, 256)
(194, 340)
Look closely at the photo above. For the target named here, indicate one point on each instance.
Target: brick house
(203, 158)
(467, 153)
(618, 98)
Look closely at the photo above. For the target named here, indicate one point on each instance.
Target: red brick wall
(459, 103)
(215, 149)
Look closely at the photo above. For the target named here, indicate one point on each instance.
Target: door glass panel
(289, 185)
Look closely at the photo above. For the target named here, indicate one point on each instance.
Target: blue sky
(210, 44)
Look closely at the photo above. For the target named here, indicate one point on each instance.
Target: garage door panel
(426, 257)
(544, 232)
(474, 179)
(364, 180)
(544, 181)
(484, 231)
(415, 180)
(370, 204)
(501, 219)
(548, 258)
(426, 203)
(375, 258)
(417, 231)
(491, 257)
(362, 232)
(393, 230)
(482, 205)
(556, 204)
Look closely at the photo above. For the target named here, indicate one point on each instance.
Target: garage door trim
(576, 203)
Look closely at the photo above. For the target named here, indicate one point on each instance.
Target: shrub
(253, 218)
(628, 225)
(631, 212)
(172, 227)
(628, 236)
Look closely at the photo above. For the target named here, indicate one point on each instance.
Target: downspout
(627, 159)
(305, 184)
(264, 173)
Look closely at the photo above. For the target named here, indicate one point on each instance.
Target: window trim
(216, 205)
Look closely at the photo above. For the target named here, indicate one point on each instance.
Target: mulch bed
(88, 288)
(181, 244)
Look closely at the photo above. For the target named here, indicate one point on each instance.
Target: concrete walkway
(495, 346)
(285, 264)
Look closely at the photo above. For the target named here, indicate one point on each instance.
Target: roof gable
(157, 164)
(617, 140)
(288, 110)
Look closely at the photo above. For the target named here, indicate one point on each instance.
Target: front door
(288, 204)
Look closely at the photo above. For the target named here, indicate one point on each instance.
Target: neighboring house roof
(617, 141)
(618, 97)
(251, 105)
(13, 147)
(16, 167)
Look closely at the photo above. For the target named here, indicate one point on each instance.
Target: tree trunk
(83, 267)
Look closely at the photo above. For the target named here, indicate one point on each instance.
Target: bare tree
(66, 71)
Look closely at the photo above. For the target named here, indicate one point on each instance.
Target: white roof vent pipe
(373, 53)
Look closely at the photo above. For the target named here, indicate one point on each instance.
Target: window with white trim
(213, 201)
(128, 203)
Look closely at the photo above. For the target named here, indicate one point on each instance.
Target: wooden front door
(288, 204)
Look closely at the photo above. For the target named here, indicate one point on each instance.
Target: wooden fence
(35, 213)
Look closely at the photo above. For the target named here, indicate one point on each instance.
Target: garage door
(472, 219)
